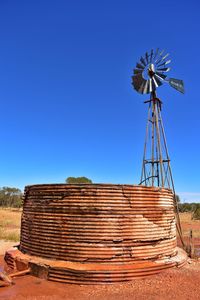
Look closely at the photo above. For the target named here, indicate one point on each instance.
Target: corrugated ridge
(67, 222)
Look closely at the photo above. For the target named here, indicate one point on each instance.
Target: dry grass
(187, 224)
(186, 217)
(10, 220)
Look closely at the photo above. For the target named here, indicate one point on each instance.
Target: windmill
(149, 74)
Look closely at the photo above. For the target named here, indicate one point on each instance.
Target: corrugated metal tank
(98, 225)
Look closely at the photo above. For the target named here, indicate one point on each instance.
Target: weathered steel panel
(98, 222)
(108, 233)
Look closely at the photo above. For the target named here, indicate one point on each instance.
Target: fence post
(191, 245)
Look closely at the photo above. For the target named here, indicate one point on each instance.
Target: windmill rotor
(150, 73)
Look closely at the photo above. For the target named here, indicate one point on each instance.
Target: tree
(10, 197)
(191, 208)
(72, 180)
(178, 200)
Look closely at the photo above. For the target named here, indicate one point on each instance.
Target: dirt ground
(173, 284)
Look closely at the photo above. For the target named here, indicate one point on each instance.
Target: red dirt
(173, 284)
(188, 226)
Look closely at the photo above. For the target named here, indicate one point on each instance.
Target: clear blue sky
(67, 104)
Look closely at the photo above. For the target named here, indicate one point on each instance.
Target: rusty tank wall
(98, 223)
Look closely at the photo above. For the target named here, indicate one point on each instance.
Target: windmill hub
(151, 71)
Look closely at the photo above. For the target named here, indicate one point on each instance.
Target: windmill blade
(149, 86)
(137, 71)
(151, 55)
(147, 57)
(139, 66)
(155, 83)
(140, 84)
(164, 57)
(145, 89)
(141, 89)
(143, 61)
(137, 82)
(161, 53)
(163, 69)
(160, 75)
(164, 63)
(156, 53)
(161, 57)
(158, 80)
(177, 84)
(159, 61)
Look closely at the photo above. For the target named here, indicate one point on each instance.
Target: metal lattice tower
(156, 169)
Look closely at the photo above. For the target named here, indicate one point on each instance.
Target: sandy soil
(173, 284)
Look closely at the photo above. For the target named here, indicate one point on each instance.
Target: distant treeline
(193, 208)
(10, 197)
